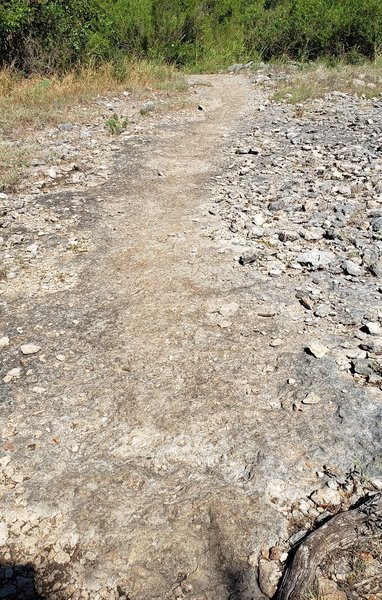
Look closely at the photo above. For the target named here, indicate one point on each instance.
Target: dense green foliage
(49, 35)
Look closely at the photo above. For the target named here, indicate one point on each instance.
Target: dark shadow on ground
(17, 582)
(238, 578)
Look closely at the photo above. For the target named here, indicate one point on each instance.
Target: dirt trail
(122, 489)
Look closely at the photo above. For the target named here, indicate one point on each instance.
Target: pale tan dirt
(136, 421)
(161, 454)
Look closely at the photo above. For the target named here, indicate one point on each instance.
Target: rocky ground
(191, 347)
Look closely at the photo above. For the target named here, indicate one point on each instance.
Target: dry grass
(315, 81)
(14, 160)
(30, 104)
(37, 101)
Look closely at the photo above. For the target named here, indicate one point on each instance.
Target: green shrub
(56, 35)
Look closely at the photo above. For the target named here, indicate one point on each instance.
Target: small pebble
(30, 349)
(12, 375)
(317, 349)
(4, 341)
(311, 398)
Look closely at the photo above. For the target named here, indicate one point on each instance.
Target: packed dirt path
(130, 408)
(147, 453)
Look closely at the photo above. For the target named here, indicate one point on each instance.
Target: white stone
(374, 328)
(227, 310)
(327, 496)
(32, 248)
(62, 558)
(12, 375)
(30, 348)
(317, 349)
(4, 341)
(259, 220)
(3, 534)
(311, 398)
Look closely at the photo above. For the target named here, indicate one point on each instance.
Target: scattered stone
(30, 348)
(317, 349)
(374, 328)
(374, 346)
(239, 67)
(325, 496)
(248, 259)
(62, 558)
(251, 150)
(255, 233)
(148, 106)
(351, 268)
(269, 576)
(307, 303)
(322, 310)
(4, 341)
(362, 367)
(376, 268)
(3, 534)
(275, 553)
(32, 248)
(259, 220)
(12, 375)
(311, 398)
(315, 259)
(288, 236)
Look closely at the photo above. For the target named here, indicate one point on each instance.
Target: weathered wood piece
(340, 533)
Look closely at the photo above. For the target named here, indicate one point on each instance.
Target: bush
(56, 35)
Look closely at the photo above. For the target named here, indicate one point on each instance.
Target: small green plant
(77, 246)
(20, 259)
(115, 125)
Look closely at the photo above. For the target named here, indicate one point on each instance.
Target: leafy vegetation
(115, 125)
(56, 35)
